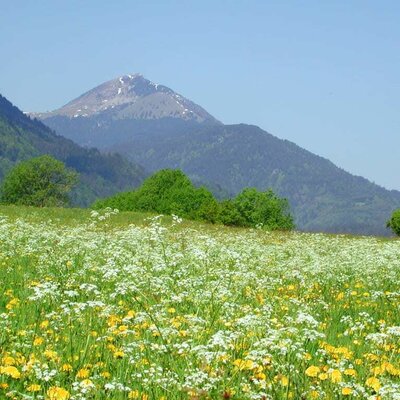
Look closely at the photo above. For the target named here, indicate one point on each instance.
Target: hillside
(100, 175)
(323, 197)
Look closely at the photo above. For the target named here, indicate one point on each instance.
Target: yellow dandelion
(336, 376)
(323, 376)
(113, 320)
(119, 354)
(38, 341)
(58, 393)
(312, 371)
(7, 360)
(12, 304)
(284, 380)
(373, 383)
(244, 364)
(83, 373)
(340, 296)
(51, 355)
(34, 388)
(260, 376)
(260, 298)
(66, 368)
(350, 372)
(133, 394)
(307, 356)
(44, 324)
(10, 371)
(346, 391)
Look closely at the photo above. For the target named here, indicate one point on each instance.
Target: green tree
(394, 222)
(167, 191)
(264, 209)
(229, 214)
(42, 182)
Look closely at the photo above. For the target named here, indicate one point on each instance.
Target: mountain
(322, 196)
(100, 175)
(120, 105)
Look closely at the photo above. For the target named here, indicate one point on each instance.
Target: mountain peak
(132, 96)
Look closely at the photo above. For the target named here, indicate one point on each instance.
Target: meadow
(131, 306)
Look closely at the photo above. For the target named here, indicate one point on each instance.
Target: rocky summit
(131, 97)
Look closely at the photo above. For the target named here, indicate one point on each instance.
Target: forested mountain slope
(100, 175)
(322, 196)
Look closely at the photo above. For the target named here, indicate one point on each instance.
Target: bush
(264, 209)
(205, 207)
(124, 201)
(171, 192)
(394, 222)
(167, 192)
(42, 182)
(230, 215)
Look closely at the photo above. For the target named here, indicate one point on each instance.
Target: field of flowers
(96, 310)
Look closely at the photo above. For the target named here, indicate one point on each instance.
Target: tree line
(46, 182)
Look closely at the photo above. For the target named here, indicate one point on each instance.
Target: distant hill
(100, 175)
(157, 128)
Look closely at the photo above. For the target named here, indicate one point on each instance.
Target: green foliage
(124, 201)
(229, 214)
(394, 222)
(171, 192)
(166, 192)
(42, 182)
(263, 209)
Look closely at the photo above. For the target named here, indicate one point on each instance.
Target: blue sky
(323, 74)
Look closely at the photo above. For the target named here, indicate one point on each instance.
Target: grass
(126, 307)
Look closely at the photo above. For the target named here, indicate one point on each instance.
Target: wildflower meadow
(165, 310)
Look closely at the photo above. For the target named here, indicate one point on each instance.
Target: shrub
(124, 201)
(264, 209)
(394, 222)
(230, 215)
(42, 182)
(171, 192)
(168, 192)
